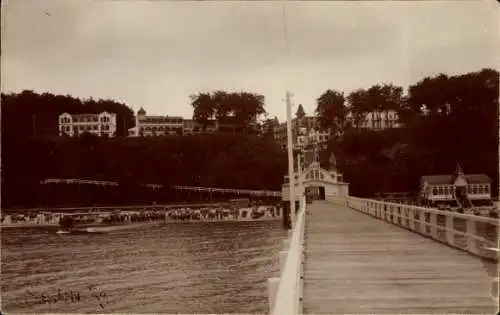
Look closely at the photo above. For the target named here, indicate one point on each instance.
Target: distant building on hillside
(103, 124)
(307, 123)
(156, 125)
(191, 127)
(457, 191)
(376, 120)
(313, 136)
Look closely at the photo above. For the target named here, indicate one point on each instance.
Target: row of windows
(162, 121)
(99, 133)
(159, 128)
(315, 175)
(66, 120)
(151, 132)
(471, 189)
(85, 128)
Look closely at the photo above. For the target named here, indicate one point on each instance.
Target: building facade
(192, 127)
(308, 127)
(103, 124)
(376, 120)
(456, 191)
(306, 123)
(150, 126)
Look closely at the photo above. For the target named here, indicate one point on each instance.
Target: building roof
(449, 179)
(141, 111)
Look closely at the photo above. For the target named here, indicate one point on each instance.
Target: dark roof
(449, 179)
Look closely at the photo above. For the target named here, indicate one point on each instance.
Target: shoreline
(108, 208)
(136, 224)
(227, 220)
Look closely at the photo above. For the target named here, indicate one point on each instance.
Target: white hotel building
(149, 126)
(377, 120)
(102, 124)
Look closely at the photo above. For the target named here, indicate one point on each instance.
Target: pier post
(272, 288)
(287, 224)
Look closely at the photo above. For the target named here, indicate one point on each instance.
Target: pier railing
(285, 291)
(475, 234)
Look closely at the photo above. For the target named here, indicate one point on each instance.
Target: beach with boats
(103, 219)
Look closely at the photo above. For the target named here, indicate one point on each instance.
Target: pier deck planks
(356, 264)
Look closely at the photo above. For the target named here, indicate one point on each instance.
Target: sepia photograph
(249, 157)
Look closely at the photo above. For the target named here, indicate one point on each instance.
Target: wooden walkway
(356, 264)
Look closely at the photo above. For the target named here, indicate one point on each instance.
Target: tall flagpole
(288, 102)
(291, 172)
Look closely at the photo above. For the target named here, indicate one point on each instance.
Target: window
(441, 190)
(434, 191)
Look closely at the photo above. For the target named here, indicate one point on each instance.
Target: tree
(300, 112)
(331, 111)
(32, 114)
(359, 105)
(247, 108)
(203, 108)
(378, 98)
(461, 126)
(242, 108)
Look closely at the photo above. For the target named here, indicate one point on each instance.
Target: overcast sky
(155, 54)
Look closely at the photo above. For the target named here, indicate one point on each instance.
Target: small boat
(77, 223)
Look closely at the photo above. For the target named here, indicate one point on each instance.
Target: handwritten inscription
(71, 296)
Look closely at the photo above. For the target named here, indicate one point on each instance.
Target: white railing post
(408, 218)
(433, 225)
(411, 218)
(423, 222)
(471, 233)
(449, 225)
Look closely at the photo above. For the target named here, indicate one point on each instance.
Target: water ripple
(217, 267)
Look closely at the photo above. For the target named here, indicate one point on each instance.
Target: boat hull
(104, 228)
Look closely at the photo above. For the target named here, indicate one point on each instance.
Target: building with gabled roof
(458, 191)
(102, 124)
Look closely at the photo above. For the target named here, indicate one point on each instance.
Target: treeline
(231, 161)
(444, 120)
(241, 110)
(31, 114)
(33, 151)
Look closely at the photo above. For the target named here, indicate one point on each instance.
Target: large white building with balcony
(147, 126)
(102, 124)
(376, 120)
